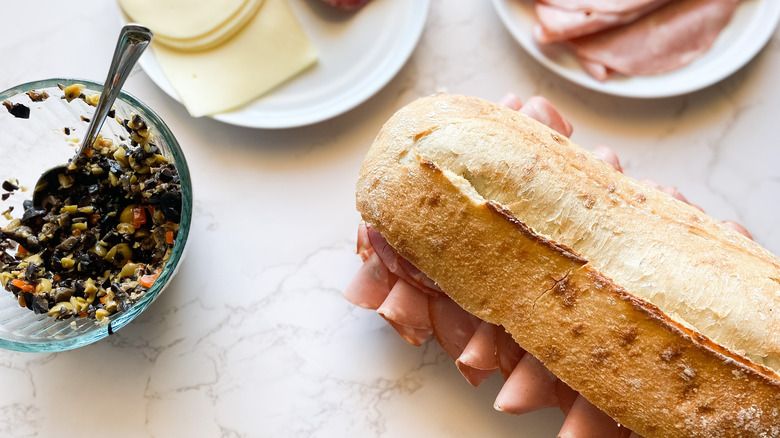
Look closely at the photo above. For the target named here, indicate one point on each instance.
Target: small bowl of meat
(105, 235)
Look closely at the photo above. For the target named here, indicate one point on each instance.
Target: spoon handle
(132, 42)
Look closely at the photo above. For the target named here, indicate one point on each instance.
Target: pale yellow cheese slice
(271, 49)
(218, 35)
(181, 18)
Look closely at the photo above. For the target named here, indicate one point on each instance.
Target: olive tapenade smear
(105, 229)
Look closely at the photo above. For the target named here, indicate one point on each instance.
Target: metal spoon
(133, 40)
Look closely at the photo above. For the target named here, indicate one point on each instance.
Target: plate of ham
(641, 48)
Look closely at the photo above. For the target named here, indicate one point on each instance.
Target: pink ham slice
(561, 24)
(606, 6)
(406, 309)
(511, 101)
(664, 40)
(541, 110)
(508, 353)
(371, 285)
(399, 265)
(452, 326)
(608, 156)
(587, 421)
(529, 388)
(478, 360)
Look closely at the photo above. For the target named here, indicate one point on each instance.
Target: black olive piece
(112, 113)
(5, 196)
(170, 205)
(84, 119)
(9, 186)
(40, 304)
(29, 272)
(28, 299)
(89, 262)
(30, 211)
(68, 244)
(17, 109)
(66, 130)
(88, 240)
(32, 244)
(165, 175)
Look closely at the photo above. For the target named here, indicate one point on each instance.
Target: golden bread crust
(481, 225)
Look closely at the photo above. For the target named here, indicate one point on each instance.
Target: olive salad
(104, 230)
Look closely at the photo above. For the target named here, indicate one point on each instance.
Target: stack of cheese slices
(219, 56)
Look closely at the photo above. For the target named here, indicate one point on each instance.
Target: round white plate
(359, 52)
(748, 31)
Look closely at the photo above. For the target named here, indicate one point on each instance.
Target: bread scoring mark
(528, 232)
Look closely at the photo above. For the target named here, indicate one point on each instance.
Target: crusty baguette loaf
(643, 304)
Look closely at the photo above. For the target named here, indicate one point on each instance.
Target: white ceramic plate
(748, 31)
(359, 52)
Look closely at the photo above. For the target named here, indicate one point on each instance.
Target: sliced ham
(541, 110)
(371, 284)
(406, 309)
(511, 101)
(399, 265)
(587, 421)
(738, 228)
(561, 24)
(662, 41)
(598, 71)
(478, 360)
(508, 353)
(452, 326)
(566, 396)
(608, 156)
(529, 388)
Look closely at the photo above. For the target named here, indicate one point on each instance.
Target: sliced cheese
(181, 18)
(218, 35)
(271, 49)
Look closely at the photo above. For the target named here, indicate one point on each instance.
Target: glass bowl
(28, 147)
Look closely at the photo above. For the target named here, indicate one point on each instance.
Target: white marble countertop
(252, 338)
